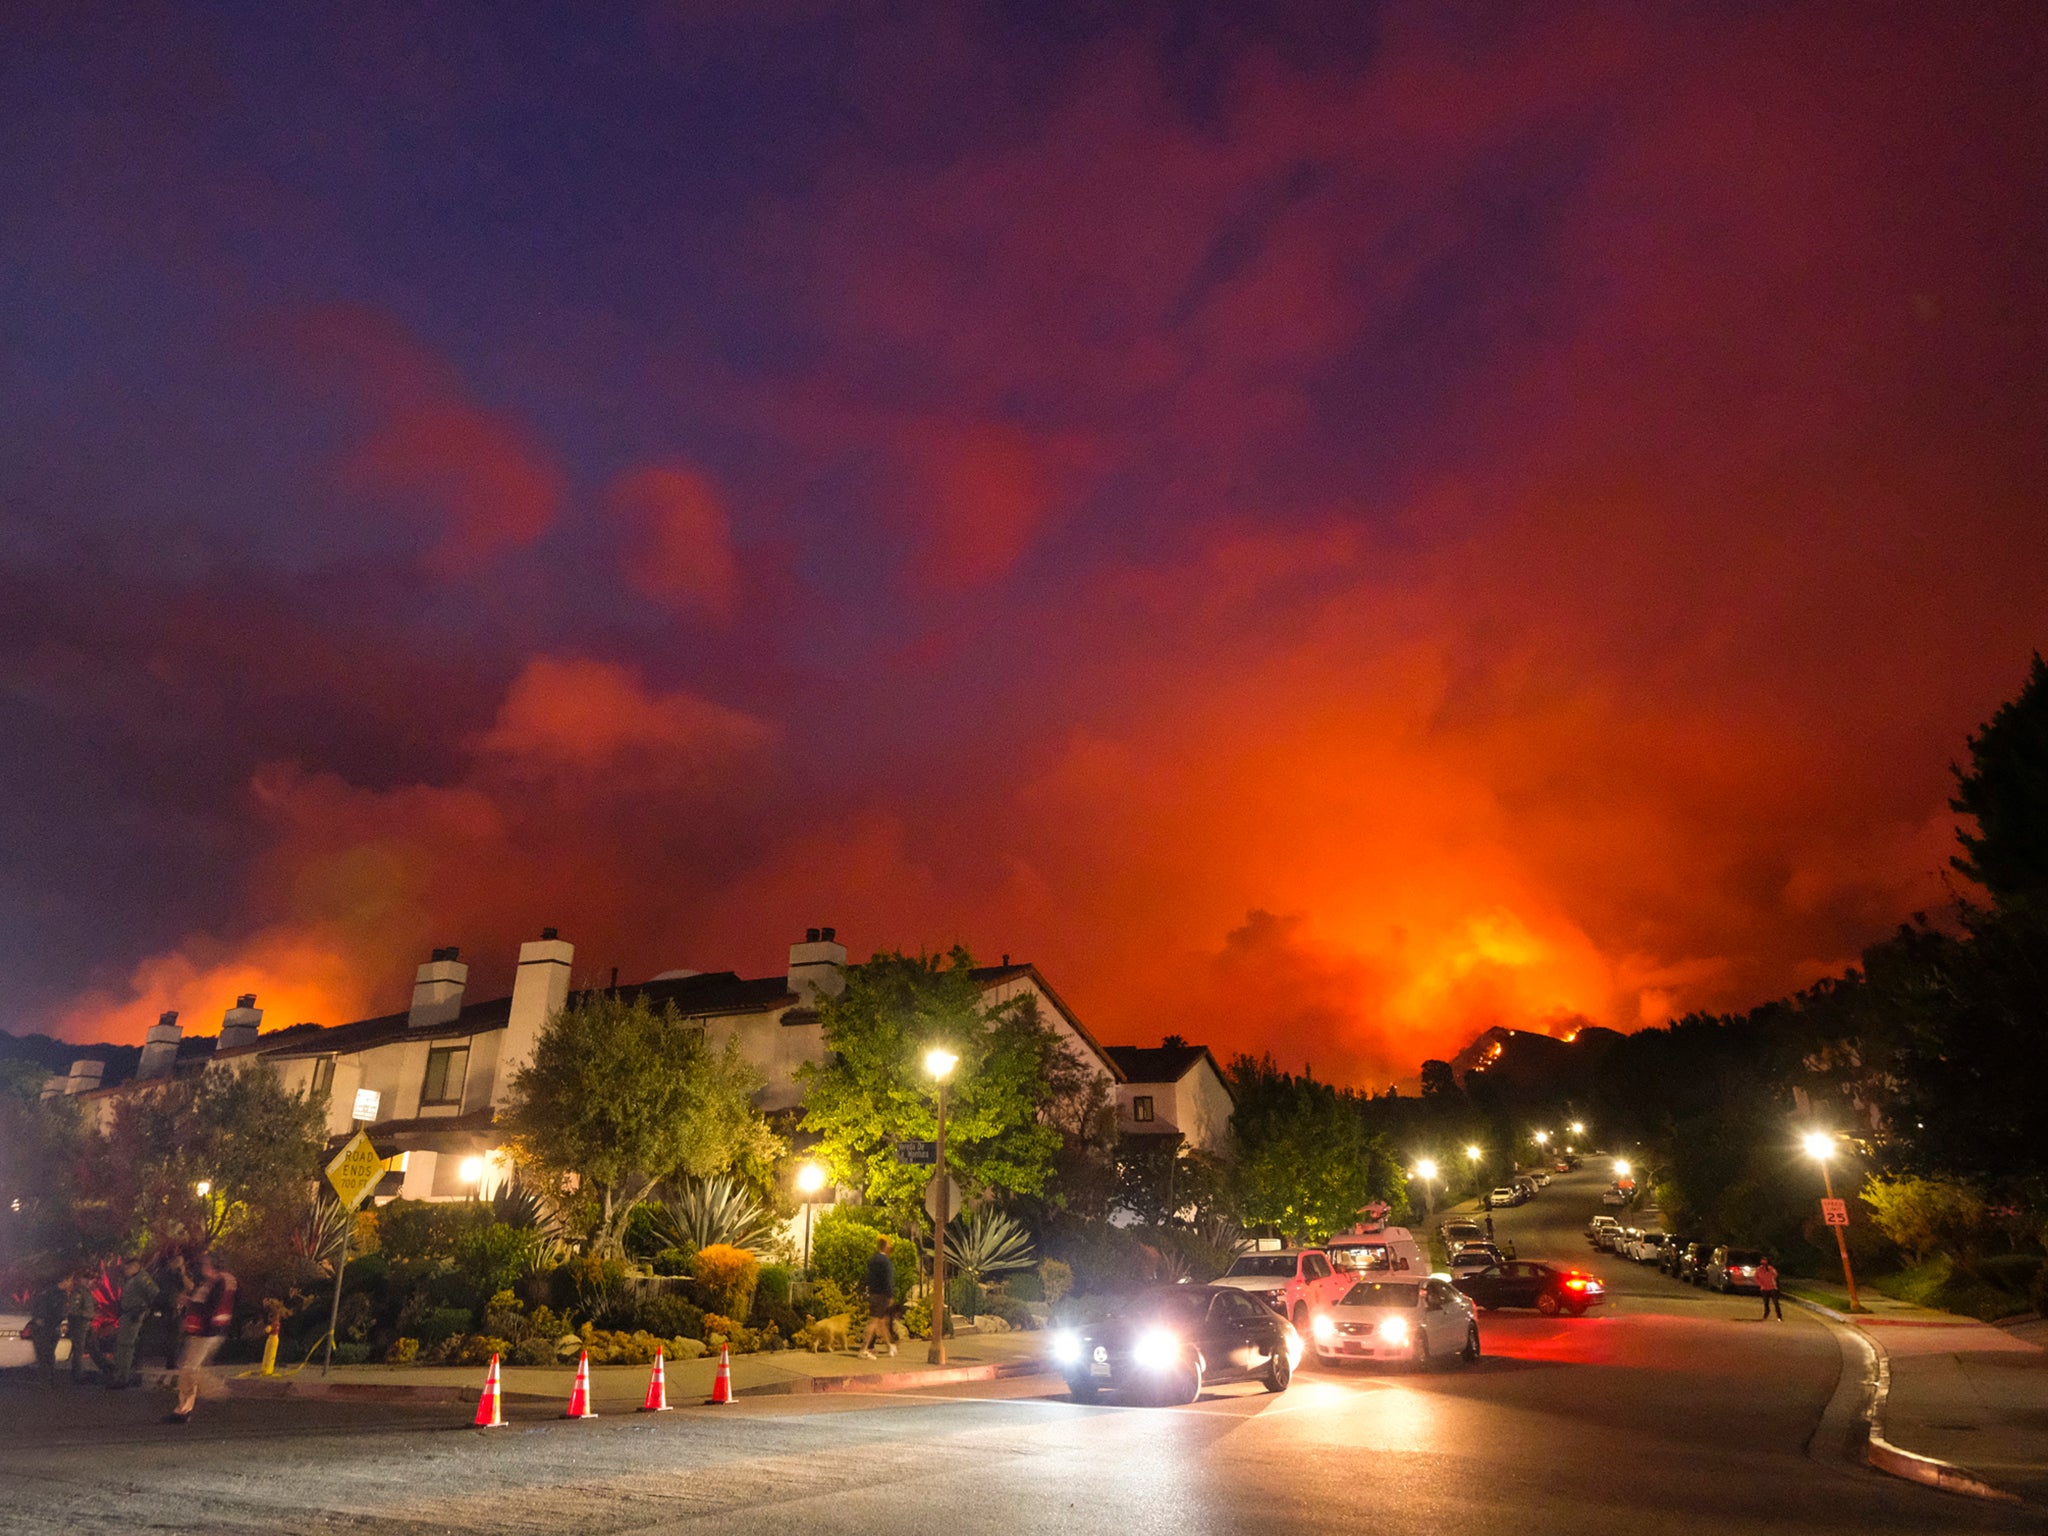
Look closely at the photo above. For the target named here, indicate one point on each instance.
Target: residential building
(1173, 1089)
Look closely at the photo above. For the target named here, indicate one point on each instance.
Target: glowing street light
(1821, 1148)
(1578, 1127)
(1542, 1138)
(1621, 1168)
(939, 1063)
(1425, 1170)
(810, 1178)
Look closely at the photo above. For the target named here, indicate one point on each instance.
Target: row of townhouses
(428, 1084)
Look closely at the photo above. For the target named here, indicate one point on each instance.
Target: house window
(323, 1079)
(1141, 1107)
(447, 1066)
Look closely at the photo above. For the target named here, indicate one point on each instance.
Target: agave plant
(714, 1210)
(323, 1231)
(987, 1244)
(521, 1205)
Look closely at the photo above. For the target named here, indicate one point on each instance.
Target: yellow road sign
(355, 1170)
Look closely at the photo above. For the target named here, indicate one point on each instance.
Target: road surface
(1673, 1411)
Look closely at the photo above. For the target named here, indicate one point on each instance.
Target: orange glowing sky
(1324, 535)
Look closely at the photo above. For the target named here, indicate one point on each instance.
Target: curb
(1879, 1452)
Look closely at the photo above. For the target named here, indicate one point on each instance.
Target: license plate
(1099, 1370)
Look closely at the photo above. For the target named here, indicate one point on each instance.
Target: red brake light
(1576, 1284)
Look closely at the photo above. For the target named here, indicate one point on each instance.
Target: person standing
(78, 1313)
(209, 1310)
(881, 1301)
(1767, 1287)
(46, 1326)
(138, 1296)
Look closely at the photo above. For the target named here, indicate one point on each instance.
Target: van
(1376, 1253)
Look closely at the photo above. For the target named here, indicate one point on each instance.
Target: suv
(1733, 1269)
(1691, 1263)
(1293, 1282)
(1597, 1226)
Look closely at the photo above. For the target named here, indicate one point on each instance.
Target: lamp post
(472, 1172)
(939, 1062)
(1425, 1170)
(1821, 1147)
(809, 1180)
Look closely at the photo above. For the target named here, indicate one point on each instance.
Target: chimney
(85, 1075)
(239, 1024)
(817, 967)
(160, 1048)
(540, 990)
(437, 989)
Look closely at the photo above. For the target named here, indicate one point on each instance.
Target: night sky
(1324, 530)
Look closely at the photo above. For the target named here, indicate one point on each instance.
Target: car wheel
(1471, 1350)
(1578, 1309)
(1279, 1373)
(1547, 1304)
(1191, 1381)
(1081, 1391)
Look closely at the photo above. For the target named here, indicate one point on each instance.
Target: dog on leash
(829, 1333)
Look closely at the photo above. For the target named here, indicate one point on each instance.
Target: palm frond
(718, 1209)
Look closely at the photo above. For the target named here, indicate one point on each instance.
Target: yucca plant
(323, 1231)
(987, 1244)
(703, 1212)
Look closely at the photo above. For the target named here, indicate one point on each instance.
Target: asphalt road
(1672, 1411)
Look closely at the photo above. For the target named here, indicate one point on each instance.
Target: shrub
(670, 1316)
(491, 1258)
(1055, 1280)
(596, 1287)
(728, 1276)
(477, 1349)
(1026, 1285)
(685, 1349)
(828, 1300)
(1928, 1216)
(780, 1316)
(917, 1319)
(351, 1354)
(1011, 1311)
(673, 1261)
(534, 1349)
(775, 1284)
(402, 1352)
(840, 1250)
(504, 1317)
(964, 1295)
(439, 1323)
(719, 1330)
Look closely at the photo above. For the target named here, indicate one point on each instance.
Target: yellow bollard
(273, 1312)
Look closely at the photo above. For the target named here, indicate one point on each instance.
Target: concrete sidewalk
(1957, 1402)
(621, 1388)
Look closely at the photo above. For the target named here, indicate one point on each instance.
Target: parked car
(1293, 1282)
(1691, 1263)
(1164, 1345)
(1561, 1166)
(1667, 1261)
(1504, 1196)
(1527, 1185)
(1733, 1269)
(1608, 1239)
(1649, 1247)
(1460, 1229)
(1525, 1283)
(1599, 1224)
(1613, 1196)
(1425, 1322)
(1473, 1257)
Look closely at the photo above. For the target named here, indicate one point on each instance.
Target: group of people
(188, 1294)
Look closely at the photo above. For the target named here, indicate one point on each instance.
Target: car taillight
(1575, 1284)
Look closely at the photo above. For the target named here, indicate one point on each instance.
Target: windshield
(1361, 1256)
(1276, 1264)
(1382, 1293)
(1182, 1308)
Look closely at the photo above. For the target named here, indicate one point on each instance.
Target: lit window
(446, 1069)
(1141, 1107)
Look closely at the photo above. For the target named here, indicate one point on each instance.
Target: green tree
(871, 1089)
(1306, 1162)
(2005, 791)
(620, 1096)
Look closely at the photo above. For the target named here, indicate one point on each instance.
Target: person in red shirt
(209, 1310)
(1767, 1287)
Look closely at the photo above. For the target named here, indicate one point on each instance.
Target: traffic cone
(579, 1395)
(489, 1411)
(721, 1386)
(657, 1390)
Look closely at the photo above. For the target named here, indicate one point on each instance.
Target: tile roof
(1159, 1063)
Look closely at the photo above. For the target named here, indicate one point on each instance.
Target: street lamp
(1578, 1127)
(810, 1178)
(472, 1173)
(939, 1062)
(1621, 1169)
(1821, 1147)
(1542, 1138)
(1425, 1170)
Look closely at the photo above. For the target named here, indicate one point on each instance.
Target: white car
(1294, 1282)
(1424, 1322)
(1648, 1247)
(1473, 1257)
(1613, 1197)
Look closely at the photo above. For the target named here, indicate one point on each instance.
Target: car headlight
(1394, 1329)
(1066, 1347)
(1155, 1349)
(1322, 1327)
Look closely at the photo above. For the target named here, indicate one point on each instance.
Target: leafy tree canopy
(2005, 791)
(623, 1096)
(871, 1090)
(1306, 1162)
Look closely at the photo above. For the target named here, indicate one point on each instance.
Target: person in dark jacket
(209, 1311)
(881, 1301)
(78, 1315)
(46, 1326)
(139, 1294)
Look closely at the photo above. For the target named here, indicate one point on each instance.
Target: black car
(1525, 1283)
(1164, 1345)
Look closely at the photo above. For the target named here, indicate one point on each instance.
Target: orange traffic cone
(657, 1390)
(721, 1387)
(579, 1395)
(489, 1411)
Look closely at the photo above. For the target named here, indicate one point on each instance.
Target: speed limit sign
(1835, 1212)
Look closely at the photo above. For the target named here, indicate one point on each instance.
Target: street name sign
(917, 1152)
(1835, 1212)
(355, 1170)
